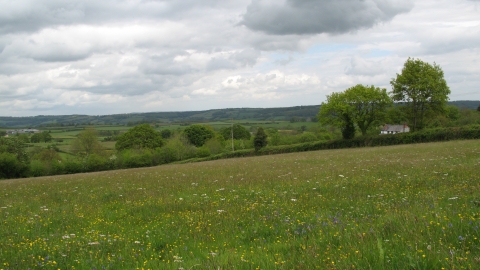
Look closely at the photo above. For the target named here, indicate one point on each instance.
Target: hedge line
(430, 135)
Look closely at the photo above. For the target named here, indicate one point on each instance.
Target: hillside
(401, 207)
(284, 113)
(165, 117)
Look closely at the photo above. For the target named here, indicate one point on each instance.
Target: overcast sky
(120, 56)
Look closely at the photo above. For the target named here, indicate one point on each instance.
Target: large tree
(238, 131)
(360, 105)
(423, 89)
(198, 134)
(141, 136)
(86, 143)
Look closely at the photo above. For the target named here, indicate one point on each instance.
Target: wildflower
(293, 200)
(137, 242)
(341, 175)
(93, 243)
(220, 211)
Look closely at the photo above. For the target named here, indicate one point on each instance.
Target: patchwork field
(402, 207)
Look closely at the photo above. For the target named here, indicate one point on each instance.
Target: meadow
(399, 207)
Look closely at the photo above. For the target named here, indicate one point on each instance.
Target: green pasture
(400, 207)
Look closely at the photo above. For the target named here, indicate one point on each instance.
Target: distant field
(401, 207)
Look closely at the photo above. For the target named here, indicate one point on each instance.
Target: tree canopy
(423, 89)
(360, 105)
(86, 143)
(14, 159)
(41, 137)
(141, 136)
(198, 134)
(239, 132)
(260, 139)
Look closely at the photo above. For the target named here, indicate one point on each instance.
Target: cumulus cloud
(116, 56)
(300, 17)
(33, 15)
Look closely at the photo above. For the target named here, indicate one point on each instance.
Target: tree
(478, 108)
(260, 139)
(36, 138)
(423, 88)
(46, 137)
(141, 136)
(348, 131)
(198, 134)
(166, 133)
(87, 143)
(361, 105)
(239, 132)
(14, 160)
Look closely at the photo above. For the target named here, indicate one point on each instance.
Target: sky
(62, 57)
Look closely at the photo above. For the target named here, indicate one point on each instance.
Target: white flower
(177, 259)
(341, 175)
(293, 200)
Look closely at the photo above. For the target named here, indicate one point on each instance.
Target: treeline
(15, 162)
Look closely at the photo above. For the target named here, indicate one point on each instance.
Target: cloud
(32, 15)
(303, 17)
(116, 56)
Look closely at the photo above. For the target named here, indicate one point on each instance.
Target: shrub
(203, 152)
(97, 163)
(37, 168)
(135, 158)
(72, 166)
(308, 137)
(11, 167)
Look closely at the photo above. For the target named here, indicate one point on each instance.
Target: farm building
(394, 129)
(22, 131)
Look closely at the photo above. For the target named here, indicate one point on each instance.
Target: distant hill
(165, 117)
(282, 113)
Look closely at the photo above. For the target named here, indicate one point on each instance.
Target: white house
(394, 129)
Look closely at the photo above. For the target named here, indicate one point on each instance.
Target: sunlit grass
(402, 207)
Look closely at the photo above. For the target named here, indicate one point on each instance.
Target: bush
(203, 152)
(136, 158)
(11, 167)
(72, 166)
(164, 155)
(97, 163)
(37, 168)
(308, 137)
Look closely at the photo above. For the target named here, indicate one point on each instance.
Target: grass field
(401, 207)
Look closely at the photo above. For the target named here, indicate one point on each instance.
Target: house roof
(395, 128)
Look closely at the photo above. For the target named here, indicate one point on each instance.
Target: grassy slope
(400, 207)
